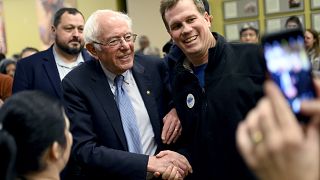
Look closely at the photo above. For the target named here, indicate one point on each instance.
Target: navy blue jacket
(233, 84)
(39, 72)
(99, 141)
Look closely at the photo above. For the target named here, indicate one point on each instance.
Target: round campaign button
(190, 101)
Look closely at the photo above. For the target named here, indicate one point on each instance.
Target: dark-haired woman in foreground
(35, 140)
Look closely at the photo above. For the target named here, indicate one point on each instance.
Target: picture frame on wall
(281, 6)
(240, 9)
(232, 30)
(45, 10)
(277, 24)
(315, 21)
(315, 4)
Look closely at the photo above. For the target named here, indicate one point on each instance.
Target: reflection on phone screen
(290, 68)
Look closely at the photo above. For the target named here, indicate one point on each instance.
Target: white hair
(92, 28)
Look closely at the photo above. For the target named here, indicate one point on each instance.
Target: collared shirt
(147, 136)
(63, 67)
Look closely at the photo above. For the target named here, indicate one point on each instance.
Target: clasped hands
(169, 165)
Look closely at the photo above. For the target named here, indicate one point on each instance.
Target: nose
(76, 33)
(186, 28)
(124, 44)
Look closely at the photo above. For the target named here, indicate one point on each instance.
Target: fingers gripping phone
(289, 67)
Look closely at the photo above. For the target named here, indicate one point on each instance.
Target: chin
(193, 50)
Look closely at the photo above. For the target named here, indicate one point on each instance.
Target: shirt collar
(111, 75)
(61, 63)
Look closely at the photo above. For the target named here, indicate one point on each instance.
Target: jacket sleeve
(87, 147)
(20, 81)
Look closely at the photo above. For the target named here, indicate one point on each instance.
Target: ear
(90, 47)
(92, 50)
(208, 18)
(55, 151)
(53, 29)
(170, 36)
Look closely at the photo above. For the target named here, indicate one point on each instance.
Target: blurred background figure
(5, 87)
(2, 56)
(8, 66)
(35, 140)
(15, 57)
(311, 41)
(28, 51)
(152, 51)
(293, 22)
(249, 34)
(146, 48)
(143, 44)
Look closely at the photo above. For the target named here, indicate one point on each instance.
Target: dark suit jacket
(40, 72)
(100, 145)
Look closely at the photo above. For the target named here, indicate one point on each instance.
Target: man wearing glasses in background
(108, 142)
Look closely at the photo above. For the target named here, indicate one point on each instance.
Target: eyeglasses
(115, 41)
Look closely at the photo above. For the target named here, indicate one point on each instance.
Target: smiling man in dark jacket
(215, 84)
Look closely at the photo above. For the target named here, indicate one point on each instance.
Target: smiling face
(119, 58)
(189, 29)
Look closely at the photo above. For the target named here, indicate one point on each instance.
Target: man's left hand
(171, 127)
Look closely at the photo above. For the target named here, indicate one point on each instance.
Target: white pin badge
(190, 101)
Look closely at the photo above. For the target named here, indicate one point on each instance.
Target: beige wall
(22, 30)
(21, 23)
(147, 20)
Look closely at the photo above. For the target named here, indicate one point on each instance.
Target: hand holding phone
(289, 67)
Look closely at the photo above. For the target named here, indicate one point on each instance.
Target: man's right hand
(170, 165)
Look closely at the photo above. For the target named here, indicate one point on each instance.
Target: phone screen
(289, 66)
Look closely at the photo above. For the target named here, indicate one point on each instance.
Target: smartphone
(289, 67)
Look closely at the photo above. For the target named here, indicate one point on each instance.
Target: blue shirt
(199, 72)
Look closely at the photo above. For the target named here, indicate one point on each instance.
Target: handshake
(169, 165)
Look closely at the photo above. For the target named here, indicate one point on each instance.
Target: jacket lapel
(144, 83)
(101, 88)
(51, 69)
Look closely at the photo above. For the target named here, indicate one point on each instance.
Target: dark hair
(4, 63)
(294, 19)
(26, 49)
(251, 28)
(168, 4)
(206, 6)
(60, 12)
(8, 152)
(2, 56)
(35, 121)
